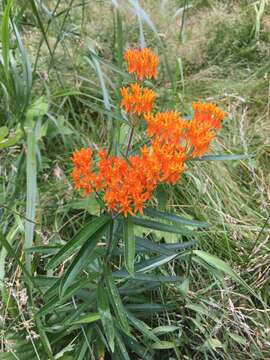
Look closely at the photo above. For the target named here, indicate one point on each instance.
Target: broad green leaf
(129, 244)
(224, 157)
(79, 239)
(116, 302)
(105, 314)
(87, 319)
(174, 218)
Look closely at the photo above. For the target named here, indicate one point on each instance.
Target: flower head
(127, 184)
(137, 100)
(142, 62)
(82, 172)
(166, 126)
(202, 129)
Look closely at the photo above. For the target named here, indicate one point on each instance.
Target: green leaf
(105, 315)
(144, 245)
(148, 278)
(5, 37)
(162, 345)
(223, 157)
(174, 218)
(142, 327)
(87, 319)
(121, 348)
(3, 132)
(31, 194)
(165, 329)
(79, 239)
(116, 302)
(89, 204)
(129, 243)
(82, 259)
(38, 108)
(212, 344)
(221, 265)
(237, 338)
(12, 140)
(162, 227)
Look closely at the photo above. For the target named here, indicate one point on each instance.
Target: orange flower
(202, 129)
(208, 113)
(82, 172)
(137, 100)
(142, 62)
(127, 184)
(166, 126)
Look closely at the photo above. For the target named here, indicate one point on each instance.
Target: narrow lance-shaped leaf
(129, 243)
(154, 225)
(174, 218)
(31, 194)
(78, 240)
(105, 315)
(223, 157)
(82, 259)
(224, 267)
(5, 37)
(116, 302)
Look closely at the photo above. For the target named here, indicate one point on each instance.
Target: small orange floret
(142, 62)
(137, 100)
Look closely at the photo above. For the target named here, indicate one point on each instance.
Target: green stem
(130, 139)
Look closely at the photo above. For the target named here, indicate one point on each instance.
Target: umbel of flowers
(127, 183)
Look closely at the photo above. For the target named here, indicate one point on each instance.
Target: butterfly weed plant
(110, 259)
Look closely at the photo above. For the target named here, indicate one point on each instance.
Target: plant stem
(130, 139)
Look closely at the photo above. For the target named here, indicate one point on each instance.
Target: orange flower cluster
(142, 62)
(202, 129)
(137, 100)
(127, 184)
